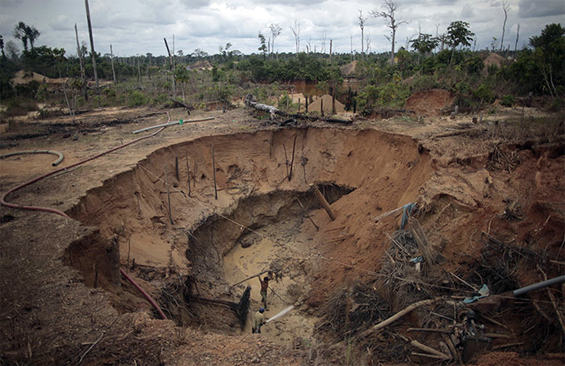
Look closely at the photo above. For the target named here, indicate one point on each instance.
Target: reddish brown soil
(52, 314)
(429, 102)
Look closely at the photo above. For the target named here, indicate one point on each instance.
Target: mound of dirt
(298, 98)
(349, 69)
(25, 77)
(429, 102)
(325, 103)
(201, 66)
(493, 59)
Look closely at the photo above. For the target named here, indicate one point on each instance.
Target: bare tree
(13, 51)
(506, 8)
(275, 32)
(517, 38)
(81, 62)
(92, 52)
(390, 8)
(324, 42)
(368, 43)
(361, 21)
(296, 31)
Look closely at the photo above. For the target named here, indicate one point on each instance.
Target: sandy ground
(62, 304)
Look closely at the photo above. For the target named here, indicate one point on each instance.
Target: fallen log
(250, 277)
(273, 111)
(181, 104)
(323, 202)
(429, 350)
(400, 314)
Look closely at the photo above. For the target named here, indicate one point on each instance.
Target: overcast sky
(139, 26)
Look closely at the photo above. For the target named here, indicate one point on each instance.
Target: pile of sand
(492, 59)
(349, 69)
(429, 102)
(325, 101)
(25, 77)
(201, 66)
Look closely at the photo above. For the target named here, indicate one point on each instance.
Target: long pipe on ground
(55, 163)
(145, 294)
(52, 210)
(174, 123)
(537, 286)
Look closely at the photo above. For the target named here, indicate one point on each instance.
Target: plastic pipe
(537, 286)
(179, 122)
(157, 126)
(55, 163)
(52, 210)
(145, 294)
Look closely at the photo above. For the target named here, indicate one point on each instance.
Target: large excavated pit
(191, 220)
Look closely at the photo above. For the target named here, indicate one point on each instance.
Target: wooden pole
(292, 160)
(92, 45)
(307, 215)
(177, 168)
(323, 201)
(214, 169)
(112, 61)
(114, 257)
(331, 52)
(250, 277)
(285, 159)
(187, 172)
(168, 195)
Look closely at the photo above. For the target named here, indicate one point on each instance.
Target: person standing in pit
(264, 288)
(258, 320)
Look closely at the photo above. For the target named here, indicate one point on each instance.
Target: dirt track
(51, 312)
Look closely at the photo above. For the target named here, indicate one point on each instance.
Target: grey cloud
(540, 8)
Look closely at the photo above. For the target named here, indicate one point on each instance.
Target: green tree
(20, 33)
(26, 34)
(425, 43)
(263, 47)
(550, 55)
(2, 47)
(458, 33)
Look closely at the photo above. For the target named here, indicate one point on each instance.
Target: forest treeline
(198, 78)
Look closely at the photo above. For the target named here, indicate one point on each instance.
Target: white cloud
(139, 26)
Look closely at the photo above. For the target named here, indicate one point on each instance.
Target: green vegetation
(445, 62)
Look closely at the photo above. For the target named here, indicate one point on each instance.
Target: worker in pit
(258, 320)
(264, 288)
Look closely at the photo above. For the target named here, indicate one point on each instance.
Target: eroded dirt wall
(386, 171)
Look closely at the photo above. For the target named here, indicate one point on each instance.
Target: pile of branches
(503, 160)
(175, 300)
(353, 309)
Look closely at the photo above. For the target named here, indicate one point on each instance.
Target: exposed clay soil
(62, 302)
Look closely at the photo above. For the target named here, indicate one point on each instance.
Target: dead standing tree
(390, 8)
(361, 22)
(81, 60)
(171, 66)
(296, 31)
(275, 32)
(92, 52)
(506, 9)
